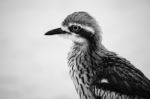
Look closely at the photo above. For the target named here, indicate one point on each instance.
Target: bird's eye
(75, 28)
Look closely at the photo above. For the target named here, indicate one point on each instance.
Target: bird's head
(80, 27)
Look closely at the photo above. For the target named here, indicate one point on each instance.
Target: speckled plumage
(98, 73)
(88, 68)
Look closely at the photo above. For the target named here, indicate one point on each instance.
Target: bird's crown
(82, 19)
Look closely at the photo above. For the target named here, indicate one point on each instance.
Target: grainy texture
(98, 73)
(91, 64)
(124, 80)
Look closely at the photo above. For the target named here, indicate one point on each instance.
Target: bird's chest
(81, 74)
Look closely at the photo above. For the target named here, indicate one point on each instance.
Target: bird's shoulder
(118, 74)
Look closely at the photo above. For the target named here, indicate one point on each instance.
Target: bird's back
(124, 81)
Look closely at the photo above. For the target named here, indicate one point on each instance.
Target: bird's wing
(123, 78)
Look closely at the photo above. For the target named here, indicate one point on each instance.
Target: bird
(96, 72)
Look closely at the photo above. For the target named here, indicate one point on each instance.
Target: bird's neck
(92, 51)
(91, 47)
(89, 51)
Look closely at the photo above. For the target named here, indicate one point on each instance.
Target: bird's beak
(55, 31)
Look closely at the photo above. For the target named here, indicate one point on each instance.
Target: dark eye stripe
(80, 31)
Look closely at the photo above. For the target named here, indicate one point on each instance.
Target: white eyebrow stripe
(83, 26)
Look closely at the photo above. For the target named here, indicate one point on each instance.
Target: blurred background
(34, 66)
